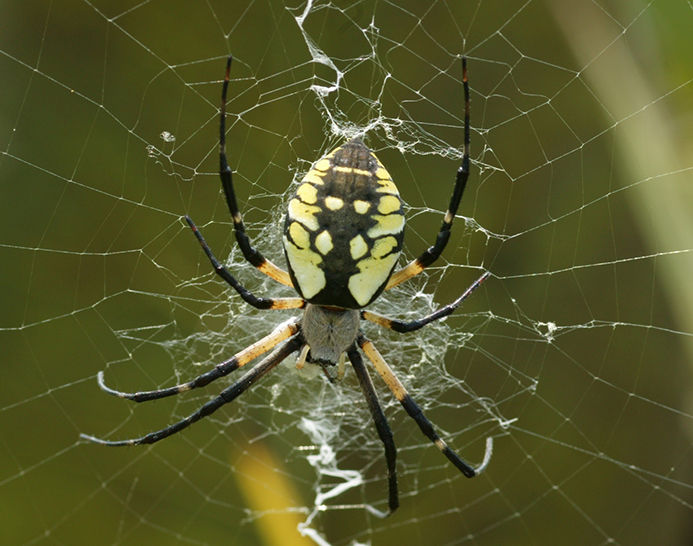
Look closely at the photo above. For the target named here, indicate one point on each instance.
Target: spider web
(574, 356)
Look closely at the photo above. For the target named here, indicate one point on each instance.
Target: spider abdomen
(343, 229)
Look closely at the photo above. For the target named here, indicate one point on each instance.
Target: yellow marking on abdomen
(304, 263)
(314, 177)
(303, 213)
(299, 235)
(361, 207)
(383, 246)
(373, 272)
(386, 225)
(352, 170)
(323, 164)
(357, 247)
(388, 204)
(387, 186)
(307, 193)
(323, 242)
(333, 203)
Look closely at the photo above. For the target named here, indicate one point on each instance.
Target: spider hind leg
(432, 253)
(249, 252)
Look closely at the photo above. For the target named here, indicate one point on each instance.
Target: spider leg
(249, 297)
(402, 326)
(251, 254)
(433, 252)
(227, 395)
(282, 332)
(415, 412)
(381, 424)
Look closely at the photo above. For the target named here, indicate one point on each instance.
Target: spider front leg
(431, 254)
(227, 395)
(249, 252)
(250, 353)
(415, 412)
(381, 424)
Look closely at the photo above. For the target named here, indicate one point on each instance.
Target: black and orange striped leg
(249, 297)
(402, 326)
(432, 253)
(227, 395)
(249, 252)
(415, 412)
(381, 424)
(282, 332)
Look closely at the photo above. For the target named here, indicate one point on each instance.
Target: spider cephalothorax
(328, 332)
(343, 235)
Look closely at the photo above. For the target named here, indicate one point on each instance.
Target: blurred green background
(578, 359)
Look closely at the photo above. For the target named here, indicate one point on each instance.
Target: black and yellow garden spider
(343, 235)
